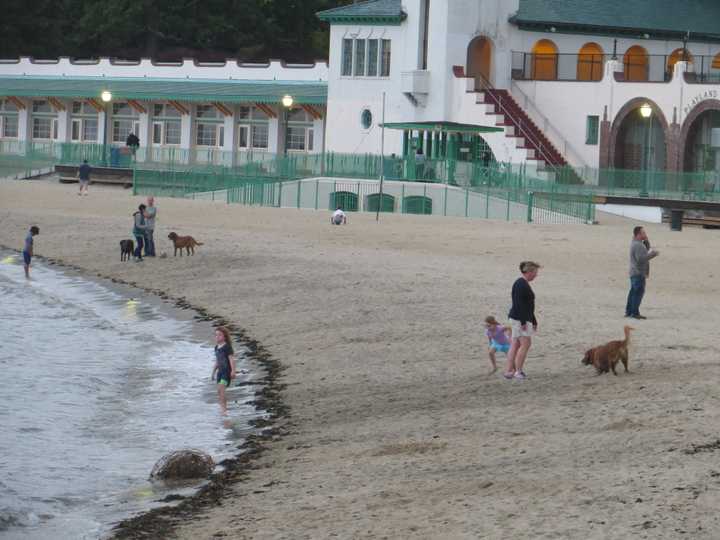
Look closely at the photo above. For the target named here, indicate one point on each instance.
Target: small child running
(498, 339)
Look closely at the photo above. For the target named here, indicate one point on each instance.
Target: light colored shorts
(518, 332)
(502, 347)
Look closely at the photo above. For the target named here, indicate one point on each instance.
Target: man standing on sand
(640, 256)
(84, 177)
(28, 249)
(150, 215)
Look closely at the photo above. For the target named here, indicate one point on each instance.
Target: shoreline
(159, 522)
(396, 430)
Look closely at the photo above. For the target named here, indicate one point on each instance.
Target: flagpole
(382, 159)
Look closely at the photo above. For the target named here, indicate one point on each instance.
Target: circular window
(366, 119)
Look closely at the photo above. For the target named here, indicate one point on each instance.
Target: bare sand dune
(395, 430)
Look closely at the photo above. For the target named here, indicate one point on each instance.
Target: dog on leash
(605, 357)
(126, 249)
(187, 243)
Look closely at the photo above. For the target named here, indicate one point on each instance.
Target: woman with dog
(224, 364)
(522, 320)
(139, 231)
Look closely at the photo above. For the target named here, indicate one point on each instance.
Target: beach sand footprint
(409, 448)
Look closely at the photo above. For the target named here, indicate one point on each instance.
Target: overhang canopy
(379, 12)
(446, 127)
(188, 90)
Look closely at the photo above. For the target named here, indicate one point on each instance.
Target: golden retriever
(187, 243)
(605, 357)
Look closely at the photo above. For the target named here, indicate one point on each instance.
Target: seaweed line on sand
(160, 522)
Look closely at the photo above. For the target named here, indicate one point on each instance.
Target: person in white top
(338, 217)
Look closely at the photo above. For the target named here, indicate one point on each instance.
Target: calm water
(96, 387)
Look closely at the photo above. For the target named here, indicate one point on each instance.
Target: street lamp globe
(645, 110)
(106, 96)
(287, 101)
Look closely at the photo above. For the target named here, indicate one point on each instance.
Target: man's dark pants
(635, 296)
(149, 243)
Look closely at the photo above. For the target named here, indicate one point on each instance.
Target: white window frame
(161, 125)
(76, 122)
(248, 142)
(219, 135)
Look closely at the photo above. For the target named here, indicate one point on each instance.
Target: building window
(41, 107)
(372, 60)
(42, 128)
(254, 130)
(366, 119)
(90, 129)
(300, 135)
(592, 127)
(8, 120)
(359, 69)
(366, 58)
(210, 134)
(347, 58)
(84, 122)
(125, 121)
(385, 58)
(166, 125)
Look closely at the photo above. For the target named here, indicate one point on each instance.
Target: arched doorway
(700, 139)
(636, 64)
(479, 60)
(544, 61)
(639, 143)
(676, 56)
(590, 63)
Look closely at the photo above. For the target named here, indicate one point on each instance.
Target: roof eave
(378, 20)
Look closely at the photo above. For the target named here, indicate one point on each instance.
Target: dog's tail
(628, 329)
(199, 243)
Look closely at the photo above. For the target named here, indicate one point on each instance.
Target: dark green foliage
(210, 30)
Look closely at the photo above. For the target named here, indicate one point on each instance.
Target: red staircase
(522, 127)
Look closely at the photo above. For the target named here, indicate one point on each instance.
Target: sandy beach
(394, 428)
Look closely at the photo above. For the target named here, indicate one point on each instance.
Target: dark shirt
(222, 357)
(84, 171)
(132, 140)
(29, 244)
(523, 302)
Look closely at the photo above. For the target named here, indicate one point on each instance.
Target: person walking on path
(640, 255)
(224, 371)
(28, 252)
(522, 320)
(498, 339)
(139, 231)
(84, 177)
(150, 216)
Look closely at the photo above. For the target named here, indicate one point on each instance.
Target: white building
(566, 80)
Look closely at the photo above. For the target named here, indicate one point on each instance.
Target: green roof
(387, 12)
(194, 90)
(449, 127)
(658, 18)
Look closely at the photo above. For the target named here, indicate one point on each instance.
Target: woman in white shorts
(522, 320)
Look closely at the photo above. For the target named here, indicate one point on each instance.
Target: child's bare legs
(221, 398)
(493, 362)
(27, 270)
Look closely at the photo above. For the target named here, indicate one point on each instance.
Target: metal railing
(563, 67)
(704, 70)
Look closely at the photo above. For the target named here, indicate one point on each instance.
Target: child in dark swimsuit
(224, 371)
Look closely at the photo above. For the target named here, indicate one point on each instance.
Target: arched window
(590, 63)
(675, 57)
(636, 64)
(479, 60)
(716, 62)
(544, 61)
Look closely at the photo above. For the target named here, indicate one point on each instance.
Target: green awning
(193, 90)
(370, 12)
(448, 127)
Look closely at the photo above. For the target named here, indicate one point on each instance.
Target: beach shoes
(520, 376)
(509, 375)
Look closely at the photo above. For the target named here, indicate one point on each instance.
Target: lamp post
(646, 113)
(287, 102)
(106, 97)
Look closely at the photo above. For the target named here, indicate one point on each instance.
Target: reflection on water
(96, 387)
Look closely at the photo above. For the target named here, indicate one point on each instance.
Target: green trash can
(676, 220)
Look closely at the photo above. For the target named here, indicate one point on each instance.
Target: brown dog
(187, 243)
(126, 249)
(605, 357)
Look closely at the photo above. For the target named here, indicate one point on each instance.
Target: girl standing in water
(224, 364)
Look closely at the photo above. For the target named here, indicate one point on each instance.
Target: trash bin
(676, 220)
(114, 157)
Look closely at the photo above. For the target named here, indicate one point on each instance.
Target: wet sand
(394, 429)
